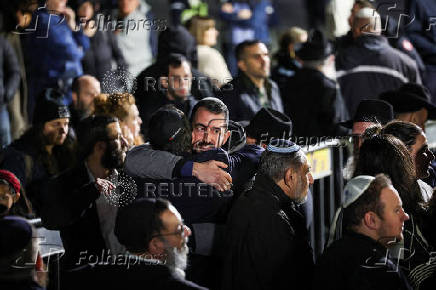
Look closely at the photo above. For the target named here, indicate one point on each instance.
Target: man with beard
(174, 88)
(84, 90)
(45, 149)
(72, 203)
(267, 240)
(153, 232)
(252, 89)
(370, 221)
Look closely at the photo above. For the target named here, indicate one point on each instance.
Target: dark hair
(405, 131)
(182, 143)
(240, 48)
(157, 224)
(274, 165)
(364, 4)
(368, 201)
(90, 131)
(387, 154)
(174, 60)
(61, 154)
(213, 105)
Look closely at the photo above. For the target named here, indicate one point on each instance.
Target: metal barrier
(327, 166)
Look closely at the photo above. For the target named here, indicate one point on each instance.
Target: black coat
(370, 66)
(9, 72)
(314, 104)
(130, 274)
(68, 205)
(242, 98)
(267, 242)
(104, 49)
(357, 262)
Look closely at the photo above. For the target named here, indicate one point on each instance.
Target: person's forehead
(258, 48)
(390, 197)
(171, 218)
(360, 127)
(204, 117)
(59, 120)
(4, 189)
(183, 69)
(421, 141)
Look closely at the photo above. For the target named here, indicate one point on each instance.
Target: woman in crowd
(122, 106)
(210, 60)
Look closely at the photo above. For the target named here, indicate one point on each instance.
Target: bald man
(84, 90)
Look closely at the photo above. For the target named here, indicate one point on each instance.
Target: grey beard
(177, 260)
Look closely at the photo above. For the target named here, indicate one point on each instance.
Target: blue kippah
(282, 146)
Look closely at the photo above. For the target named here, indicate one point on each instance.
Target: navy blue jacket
(242, 98)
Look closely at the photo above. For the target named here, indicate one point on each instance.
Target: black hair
(213, 105)
(174, 60)
(240, 48)
(90, 131)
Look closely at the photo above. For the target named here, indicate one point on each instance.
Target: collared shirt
(106, 216)
(263, 94)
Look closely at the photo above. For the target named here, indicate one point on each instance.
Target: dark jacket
(357, 262)
(68, 205)
(371, 66)
(284, 70)
(102, 51)
(9, 72)
(421, 30)
(314, 104)
(267, 242)
(147, 105)
(242, 97)
(131, 274)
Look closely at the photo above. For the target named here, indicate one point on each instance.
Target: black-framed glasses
(182, 232)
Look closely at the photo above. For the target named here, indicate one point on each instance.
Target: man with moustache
(72, 203)
(252, 89)
(174, 88)
(370, 221)
(155, 236)
(45, 149)
(267, 240)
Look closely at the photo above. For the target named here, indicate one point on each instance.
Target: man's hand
(104, 186)
(211, 172)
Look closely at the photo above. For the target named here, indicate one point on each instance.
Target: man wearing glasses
(153, 232)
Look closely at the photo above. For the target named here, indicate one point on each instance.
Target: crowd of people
(166, 164)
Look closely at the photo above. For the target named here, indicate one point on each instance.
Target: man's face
(209, 130)
(420, 117)
(256, 61)
(55, 131)
(175, 235)
(179, 81)
(392, 223)
(6, 199)
(89, 89)
(304, 178)
(422, 156)
(357, 131)
(116, 147)
(127, 6)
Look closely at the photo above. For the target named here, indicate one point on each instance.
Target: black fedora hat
(419, 97)
(317, 47)
(375, 111)
(269, 123)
